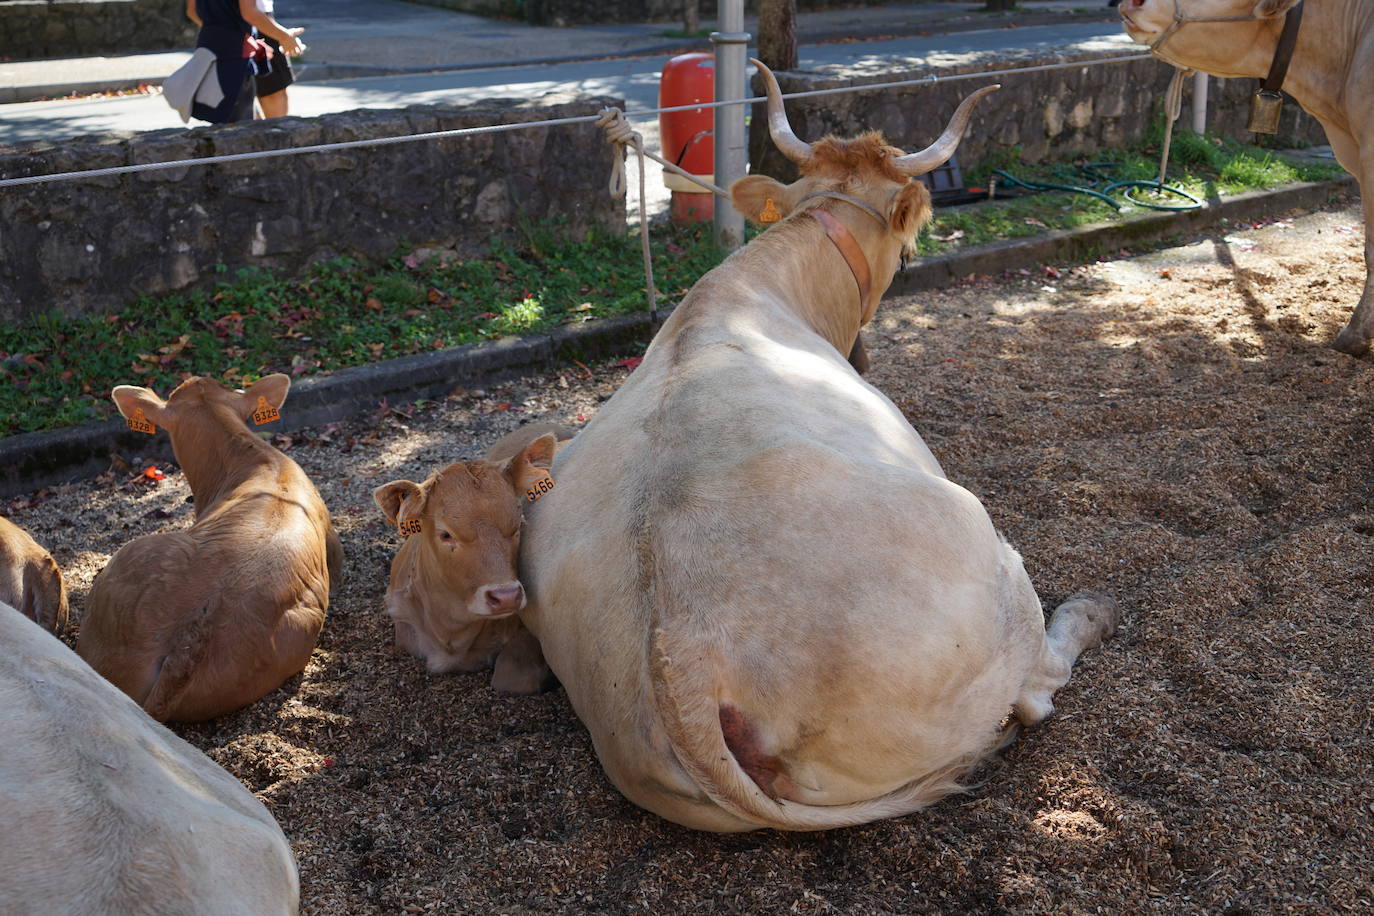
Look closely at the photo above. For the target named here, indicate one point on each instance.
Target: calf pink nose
(504, 599)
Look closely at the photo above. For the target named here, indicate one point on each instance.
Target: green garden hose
(1092, 174)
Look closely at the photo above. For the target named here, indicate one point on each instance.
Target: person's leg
(272, 85)
(274, 105)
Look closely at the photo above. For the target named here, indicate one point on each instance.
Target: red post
(686, 136)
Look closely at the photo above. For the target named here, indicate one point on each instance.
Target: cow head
(200, 399)
(467, 518)
(881, 177)
(1214, 35)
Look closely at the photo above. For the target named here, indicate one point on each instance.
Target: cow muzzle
(500, 600)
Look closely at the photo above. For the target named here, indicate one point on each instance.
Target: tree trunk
(778, 34)
(691, 17)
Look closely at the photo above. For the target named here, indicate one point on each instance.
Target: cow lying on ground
(105, 811)
(765, 600)
(194, 624)
(1331, 75)
(454, 586)
(30, 579)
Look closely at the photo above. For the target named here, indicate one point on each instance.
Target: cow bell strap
(849, 250)
(1283, 54)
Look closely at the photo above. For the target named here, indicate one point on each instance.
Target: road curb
(32, 460)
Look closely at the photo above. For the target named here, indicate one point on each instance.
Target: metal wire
(586, 119)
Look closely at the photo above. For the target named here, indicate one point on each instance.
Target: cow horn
(938, 153)
(788, 143)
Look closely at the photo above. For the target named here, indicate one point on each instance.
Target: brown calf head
(467, 528)
(199, 400)
(865, 168)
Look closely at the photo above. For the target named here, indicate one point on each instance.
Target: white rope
(586, 119)
(620, 134)
(1173, 106)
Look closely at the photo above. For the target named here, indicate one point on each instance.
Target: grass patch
(57, 371)
(1201, 164)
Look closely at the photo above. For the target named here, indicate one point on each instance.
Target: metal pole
(1200, 103)
(730, 138)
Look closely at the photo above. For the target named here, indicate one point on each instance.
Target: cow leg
(1080, 623)
(520, 668)
(1358, 158)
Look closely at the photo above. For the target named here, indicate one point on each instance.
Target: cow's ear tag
(770, 212)
(542, 484)
(409, 526)
(139, 423)
(265, 412)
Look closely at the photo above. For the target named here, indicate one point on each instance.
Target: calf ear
(761, 199)
(271, 388)
(131, 399)
(1272, 9)
(909, 210)
(533, 462)
(399, 500)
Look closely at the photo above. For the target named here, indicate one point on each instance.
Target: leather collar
(849, 249)
(1283, 54)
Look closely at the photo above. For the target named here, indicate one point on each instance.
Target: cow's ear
(761, 199)
(271, 388)
(533, 463)
(399, 500)
(1272, 9)
(909, 210)
(135, 403)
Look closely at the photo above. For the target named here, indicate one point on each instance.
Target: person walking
(229, 30)
(271, 86)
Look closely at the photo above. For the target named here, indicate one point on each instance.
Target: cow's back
(109, 812)
(752, 507)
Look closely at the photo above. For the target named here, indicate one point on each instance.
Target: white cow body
(766, 601)
(106, 811)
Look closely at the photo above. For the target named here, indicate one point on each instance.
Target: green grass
(57, 371)
(1201, 164)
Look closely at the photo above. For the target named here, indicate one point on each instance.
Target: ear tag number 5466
(541, 486)
(410, 526)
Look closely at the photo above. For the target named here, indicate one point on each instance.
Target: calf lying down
(454, 588)
(30, 579)
(106, 811)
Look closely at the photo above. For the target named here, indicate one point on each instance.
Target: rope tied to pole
(1173, 107)
(620, 134)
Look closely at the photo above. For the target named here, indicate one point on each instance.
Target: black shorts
(280, 76)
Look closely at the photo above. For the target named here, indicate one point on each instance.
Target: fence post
(1199, 102)
(731, 43)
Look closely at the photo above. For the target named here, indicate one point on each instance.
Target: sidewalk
(354, 38)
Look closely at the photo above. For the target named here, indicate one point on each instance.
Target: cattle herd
(659, 565)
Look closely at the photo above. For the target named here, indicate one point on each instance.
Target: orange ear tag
(265, 412)
(139, 423)
(770, 213)
(409, 526)
(541, 486)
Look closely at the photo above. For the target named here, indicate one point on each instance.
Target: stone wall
(1048, 113)
(84, 28)
(89, 246)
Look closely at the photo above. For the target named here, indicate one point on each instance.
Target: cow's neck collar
(1281, 56)
(844, 242)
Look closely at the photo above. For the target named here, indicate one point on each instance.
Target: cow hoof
(1099, 609)
(1351, 342)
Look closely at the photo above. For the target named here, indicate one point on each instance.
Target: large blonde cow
(766, 601)
(1331, 75)
(106, 812)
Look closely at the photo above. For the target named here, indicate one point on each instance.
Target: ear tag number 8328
(265, 412)
(139, 423)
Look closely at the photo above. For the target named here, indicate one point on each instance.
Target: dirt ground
(1172, 429)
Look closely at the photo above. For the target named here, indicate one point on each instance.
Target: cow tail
(189, 647)
(690, 713)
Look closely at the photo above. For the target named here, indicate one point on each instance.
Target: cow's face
(1146, 20)
(466, 519)
(202, 399)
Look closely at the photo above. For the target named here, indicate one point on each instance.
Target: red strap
(849, 250)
